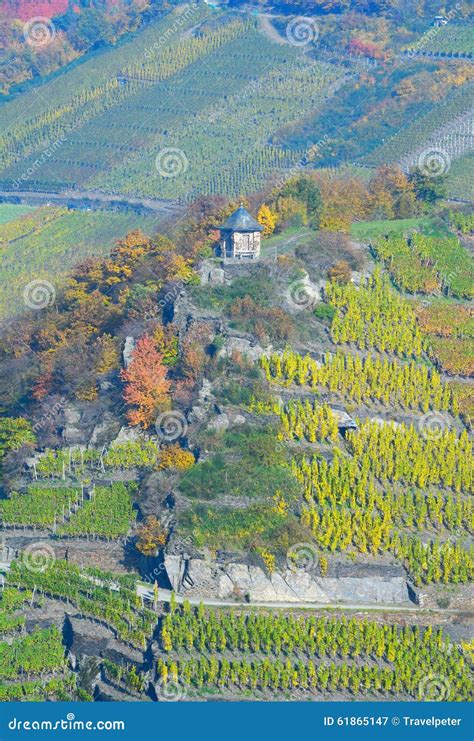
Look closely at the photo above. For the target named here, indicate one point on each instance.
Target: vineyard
(107, 135)
(401, 453)
(47, 242)
(429, 265)
(39, 506)
(303, 656)
(400, 484)
(449, 328)
(76, 462)
(33, 667)
(371, 379)
(451, 40)
(68, 92)
(109, 599)
(303, 420)
(460, 184)
(10, 602)
(374, 316)
(431, 129)
(107, 514)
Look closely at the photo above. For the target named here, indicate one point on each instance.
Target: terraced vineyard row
(107, 598)
(449, 40)
(374, 316)
(347, 504)
(411, 386)
(321, 655)
(216, 96)
(428, 264)
(427, 128)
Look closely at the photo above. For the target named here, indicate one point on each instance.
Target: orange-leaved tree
(147, 388)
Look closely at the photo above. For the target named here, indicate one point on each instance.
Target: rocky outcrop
(127, 352)
(105, 430)
(206, 579)
(302, 294)
(243, 346)
(204, 404)
(83, 420)
(211, 273)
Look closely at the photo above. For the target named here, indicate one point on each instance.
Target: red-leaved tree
(147, 388)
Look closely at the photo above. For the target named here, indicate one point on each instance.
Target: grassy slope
(11, 212)
(370, 229)
(47, 243)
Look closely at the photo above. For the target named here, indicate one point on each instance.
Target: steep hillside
(280, 434)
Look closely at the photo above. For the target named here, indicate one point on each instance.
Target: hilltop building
(240, 237)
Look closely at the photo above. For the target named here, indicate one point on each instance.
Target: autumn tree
(427, 188)
(151, 536)
(290, 211)
(146, 386)
(268, 219)
(392, 194)
(305, 190)
(340, 272)
(176, 457)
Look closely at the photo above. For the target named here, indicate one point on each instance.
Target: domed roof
(241, 221)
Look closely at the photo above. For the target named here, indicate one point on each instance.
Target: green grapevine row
(363, 379)
(373, 315)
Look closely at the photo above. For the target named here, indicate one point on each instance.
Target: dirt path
(270, 31)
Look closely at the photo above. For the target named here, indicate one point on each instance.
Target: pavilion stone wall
(245, 242)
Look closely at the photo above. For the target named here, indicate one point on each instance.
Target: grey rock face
(243, 346)
(127, 352)
(219, 423)
(210, 273)
(127, 434)
(73, 432)
(105, 430)
(212, 580)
